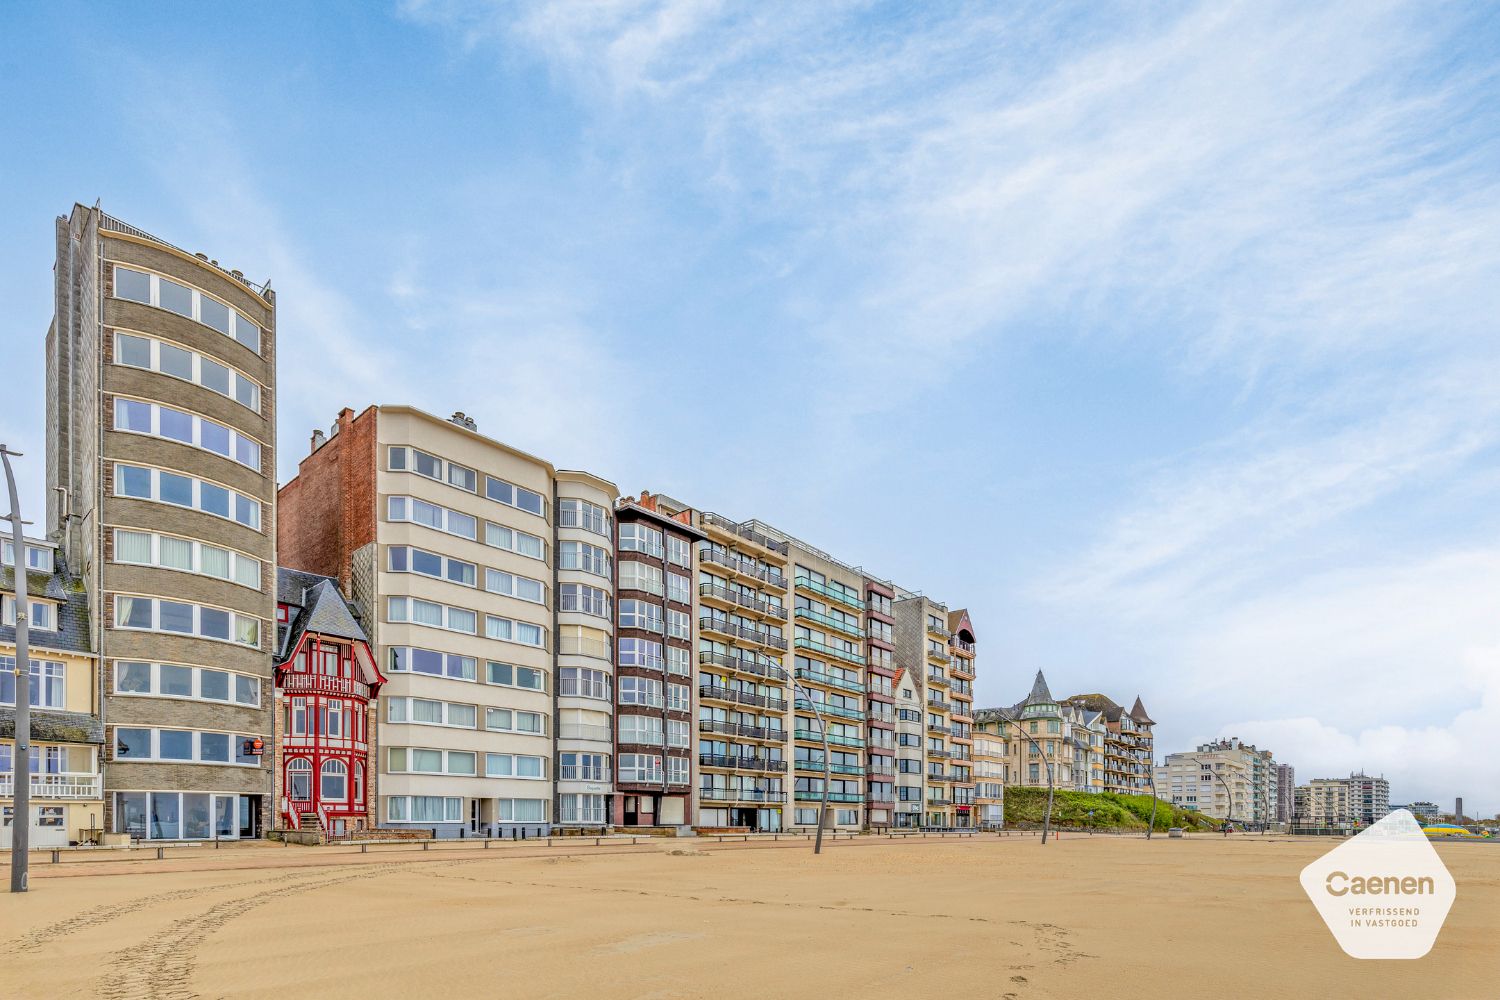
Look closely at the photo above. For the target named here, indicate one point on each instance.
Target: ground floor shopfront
(173, 815)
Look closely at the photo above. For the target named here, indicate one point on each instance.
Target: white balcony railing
(56, 786)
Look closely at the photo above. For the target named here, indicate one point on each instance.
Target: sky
(1161, 337)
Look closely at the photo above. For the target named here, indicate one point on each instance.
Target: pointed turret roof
(1138, 712)
(1039, 693)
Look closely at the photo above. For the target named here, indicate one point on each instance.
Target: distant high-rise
(1286, 784)
(161, 437)
(1458, 810)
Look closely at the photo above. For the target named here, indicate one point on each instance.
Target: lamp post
(827, 763)
(1228, 801)
(20, 840)
(1047, 817)
(1151, 773)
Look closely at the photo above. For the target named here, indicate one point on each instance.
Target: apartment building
(1226, 779)
(1286, 785)
(446, 539)
(911, 749)
(1357, 800)
(1129, 746)
(67, 735)
(743, 683)
(828, 676)
(161, 449)
(1370, 799)
(880, 681)
(924, 628)
(655, 556)
(991, 772)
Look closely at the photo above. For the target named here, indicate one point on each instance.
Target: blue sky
(1165, 340)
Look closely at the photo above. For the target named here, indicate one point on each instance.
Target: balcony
(958, 645)
(68, 785)
(936, 776)
(598, 734)
(962, 669)
(741, 600)
(938, 631)
(812, 736)
(836, 711)
(937, 730)
(828, 621)
(722, 693)
(740, 795)
(744, 567)
(881, 770)
(938, 705)
(958, 777)
(823, 590)
(348, 687)
(727, 526)
(943, 754)
(737, 763)
(738, 729)
(827, 650)
(939, 802)
(810, 796)
(759, 636)
(936, 657)
(937, 680)
(597, 648)
(819, 677)
(743, 665)
(817, 767)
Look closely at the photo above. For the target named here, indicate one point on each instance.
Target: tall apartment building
(743, 682)
(1357, 800)
(655, 630)
(991, 773)
(925, 634)
(1225, 779)
(911, 749)
(161, 438)
(828, 672)
(1129, 746)
(446, 540)
(67, 734)
(1286, 785)
(880, 681)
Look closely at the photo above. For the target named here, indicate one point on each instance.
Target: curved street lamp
(1151, 773)
(20, 836)
(1047, 818)
(1228, 803)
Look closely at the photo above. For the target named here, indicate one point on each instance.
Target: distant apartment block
(161, 457)
(1286, 786)
(1226, 779)
(1342, 802)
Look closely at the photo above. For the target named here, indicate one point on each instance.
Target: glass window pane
(174, 744)
(133, 678)
(133, 481)
(214, 623)
(212, 312)
(213, 437)
(165, 822)
(176, 361)
(176, 489)
(133, 547)
(213, 376)
(177, 298)
(176, 425)
(213, 747)
(247, 511)
(176, 681)
(213, 499)
(213, 561)
(175, 553)
(247, 333)
(133, 612)
(132, 415)
(246, 690)
(134, 351)
(247, 392)
(132, 744)
(246, 452)
(197, 820)
(246, 630)
(132, 285)
(213, 684)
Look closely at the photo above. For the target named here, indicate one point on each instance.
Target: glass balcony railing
(833, 738)
(827, 650)
(806, 795)
(819, 677)
(846, 599)
(829, 621)
(838, 711)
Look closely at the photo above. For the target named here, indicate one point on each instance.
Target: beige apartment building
(448, 540)
(67, 798)
(161, 435)
(1226, 779)
(937, 647)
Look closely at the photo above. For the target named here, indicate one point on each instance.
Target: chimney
(463, 420)
(317, 440)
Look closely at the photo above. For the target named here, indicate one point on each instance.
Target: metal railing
(67, 785)
(827, 650)
(828, 621)
(740, 763)
(745, 531)
(744, 567)
(746, 632)
(740, 663)
(819, 677)
(738, 599)
(848, 600)
(741, 697)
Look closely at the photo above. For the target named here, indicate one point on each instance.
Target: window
(424, 809)
(500, 537)
(505, 765)
(639, 576)
(640, 691)
(642, 615)
(403, 508)
(42, 614)
(679, 697)
(464, 479)
(411, 659)
(161, 486)
(581, 682)
(583, 557)
(677, 661)
(154, 614)
(524, 810)
(165, 680)
(583, 767)
(679, 588)
(512, 676)
(418, 760)
(48, 683)
(185, 746)
(677, 733)
(509, 630)
(582, 514)
(426, 712)
(584, 599)
(164, 293)
(299, 779)
(640, 653)
(144, 548)
(639, 767)
(405, 559)
(334, 784)
(38, 558)
(679, 624)
(581, 808)
(505, 720)
(641, 538)
(168, 359)
(679, 551)
(512, 495)
(640, 729)
(521, 587)
(153, 419)
(415, 611)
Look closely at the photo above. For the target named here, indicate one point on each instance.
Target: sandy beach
(1005, 918)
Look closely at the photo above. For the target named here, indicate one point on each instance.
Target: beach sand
(996, 918)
